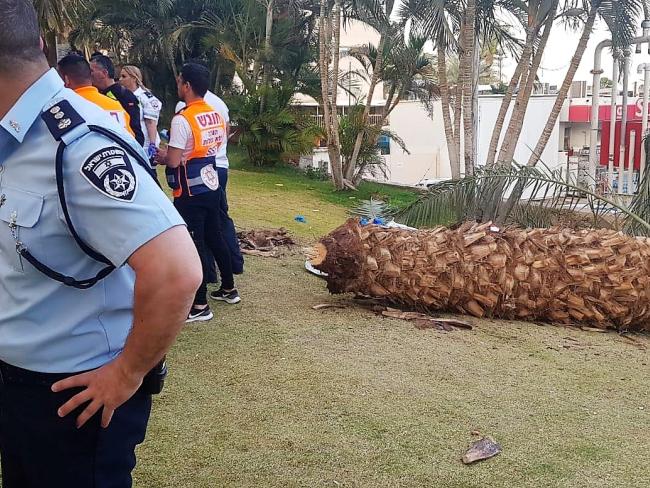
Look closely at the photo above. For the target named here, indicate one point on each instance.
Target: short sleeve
(180, 133)
(115, 205)
(151, 108)
(179, 106)
(223, 110)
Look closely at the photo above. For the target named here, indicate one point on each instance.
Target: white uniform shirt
(222, 109)
(150, 109)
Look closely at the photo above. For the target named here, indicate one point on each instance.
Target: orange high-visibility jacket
(197, 174)
(113, 107)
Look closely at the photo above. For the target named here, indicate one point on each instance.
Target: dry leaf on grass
(424, 321)
(323, 306)
(480, 450)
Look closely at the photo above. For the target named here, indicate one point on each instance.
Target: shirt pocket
(20, 213)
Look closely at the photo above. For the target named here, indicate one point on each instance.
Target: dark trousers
(228, 226)
(40, 449)
(203, 218)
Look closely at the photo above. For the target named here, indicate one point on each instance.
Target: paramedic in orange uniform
(196, 134)
(75, 72)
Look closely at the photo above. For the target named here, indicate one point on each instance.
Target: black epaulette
(61, 118)
(148, 94)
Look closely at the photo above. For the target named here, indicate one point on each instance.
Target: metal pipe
(623, 131)
(645, 67)
(595, 107)
(630, 163)
(595, 99)
(612, 126)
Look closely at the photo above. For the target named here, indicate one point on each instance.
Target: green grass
(273, 197)
(274, 394)
(323, 190)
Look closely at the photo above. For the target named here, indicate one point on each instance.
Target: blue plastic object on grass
(300, 218)
(378, 221)
(363, 221)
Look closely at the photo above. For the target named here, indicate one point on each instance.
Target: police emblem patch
(111, 172)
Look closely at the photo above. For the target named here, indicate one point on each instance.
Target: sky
(560, 49)
(557, 56)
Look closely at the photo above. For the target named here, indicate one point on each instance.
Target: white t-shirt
(180, 135)
(150, 108)
(222, 109)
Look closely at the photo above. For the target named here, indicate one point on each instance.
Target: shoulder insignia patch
(61, 118)
(148, 94)
(110, 171)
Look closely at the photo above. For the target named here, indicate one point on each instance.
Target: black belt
(152, 383)
(13, 375)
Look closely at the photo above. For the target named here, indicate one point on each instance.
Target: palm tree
(457, 30)
(378, 16)
(56, 17)
(407, 71)
(542, 16)
(467, 66)
(329, 32)
(620, 17)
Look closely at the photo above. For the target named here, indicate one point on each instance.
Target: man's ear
(41, 43)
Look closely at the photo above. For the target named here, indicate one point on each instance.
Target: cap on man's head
(20, 38)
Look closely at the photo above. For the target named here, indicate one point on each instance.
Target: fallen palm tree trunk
(588, 277)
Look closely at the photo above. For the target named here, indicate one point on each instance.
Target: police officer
(195, 137)
(103, 76)
(131, 79)
(75, 72)
(73, 356)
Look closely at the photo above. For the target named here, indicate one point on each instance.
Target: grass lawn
(274, 394)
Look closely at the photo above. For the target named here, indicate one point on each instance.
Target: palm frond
(621, 17)
(549, 197)
(372, 209)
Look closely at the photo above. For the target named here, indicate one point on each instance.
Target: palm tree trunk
(515, 126)
(266, 77)
(351, 166)
(50, 42)
(467, 70)
(446, 113)
(507, 98)
(566, 84)
(458, 106)
(329, 49)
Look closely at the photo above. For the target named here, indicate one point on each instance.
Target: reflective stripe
(195, 181)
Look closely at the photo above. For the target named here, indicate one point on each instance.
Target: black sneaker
(199, 315)
(222, 295)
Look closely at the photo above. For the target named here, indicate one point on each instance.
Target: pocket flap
(26, 206)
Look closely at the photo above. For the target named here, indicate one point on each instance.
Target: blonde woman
(131, 79)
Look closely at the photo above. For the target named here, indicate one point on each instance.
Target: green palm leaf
(549, 197)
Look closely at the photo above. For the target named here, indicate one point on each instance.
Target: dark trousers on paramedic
(203, 218)
(229, 235)
(228, 226)
(40, 449)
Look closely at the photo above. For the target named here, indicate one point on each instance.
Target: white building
(424, 134)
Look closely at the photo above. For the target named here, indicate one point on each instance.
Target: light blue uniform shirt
(44, 325)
